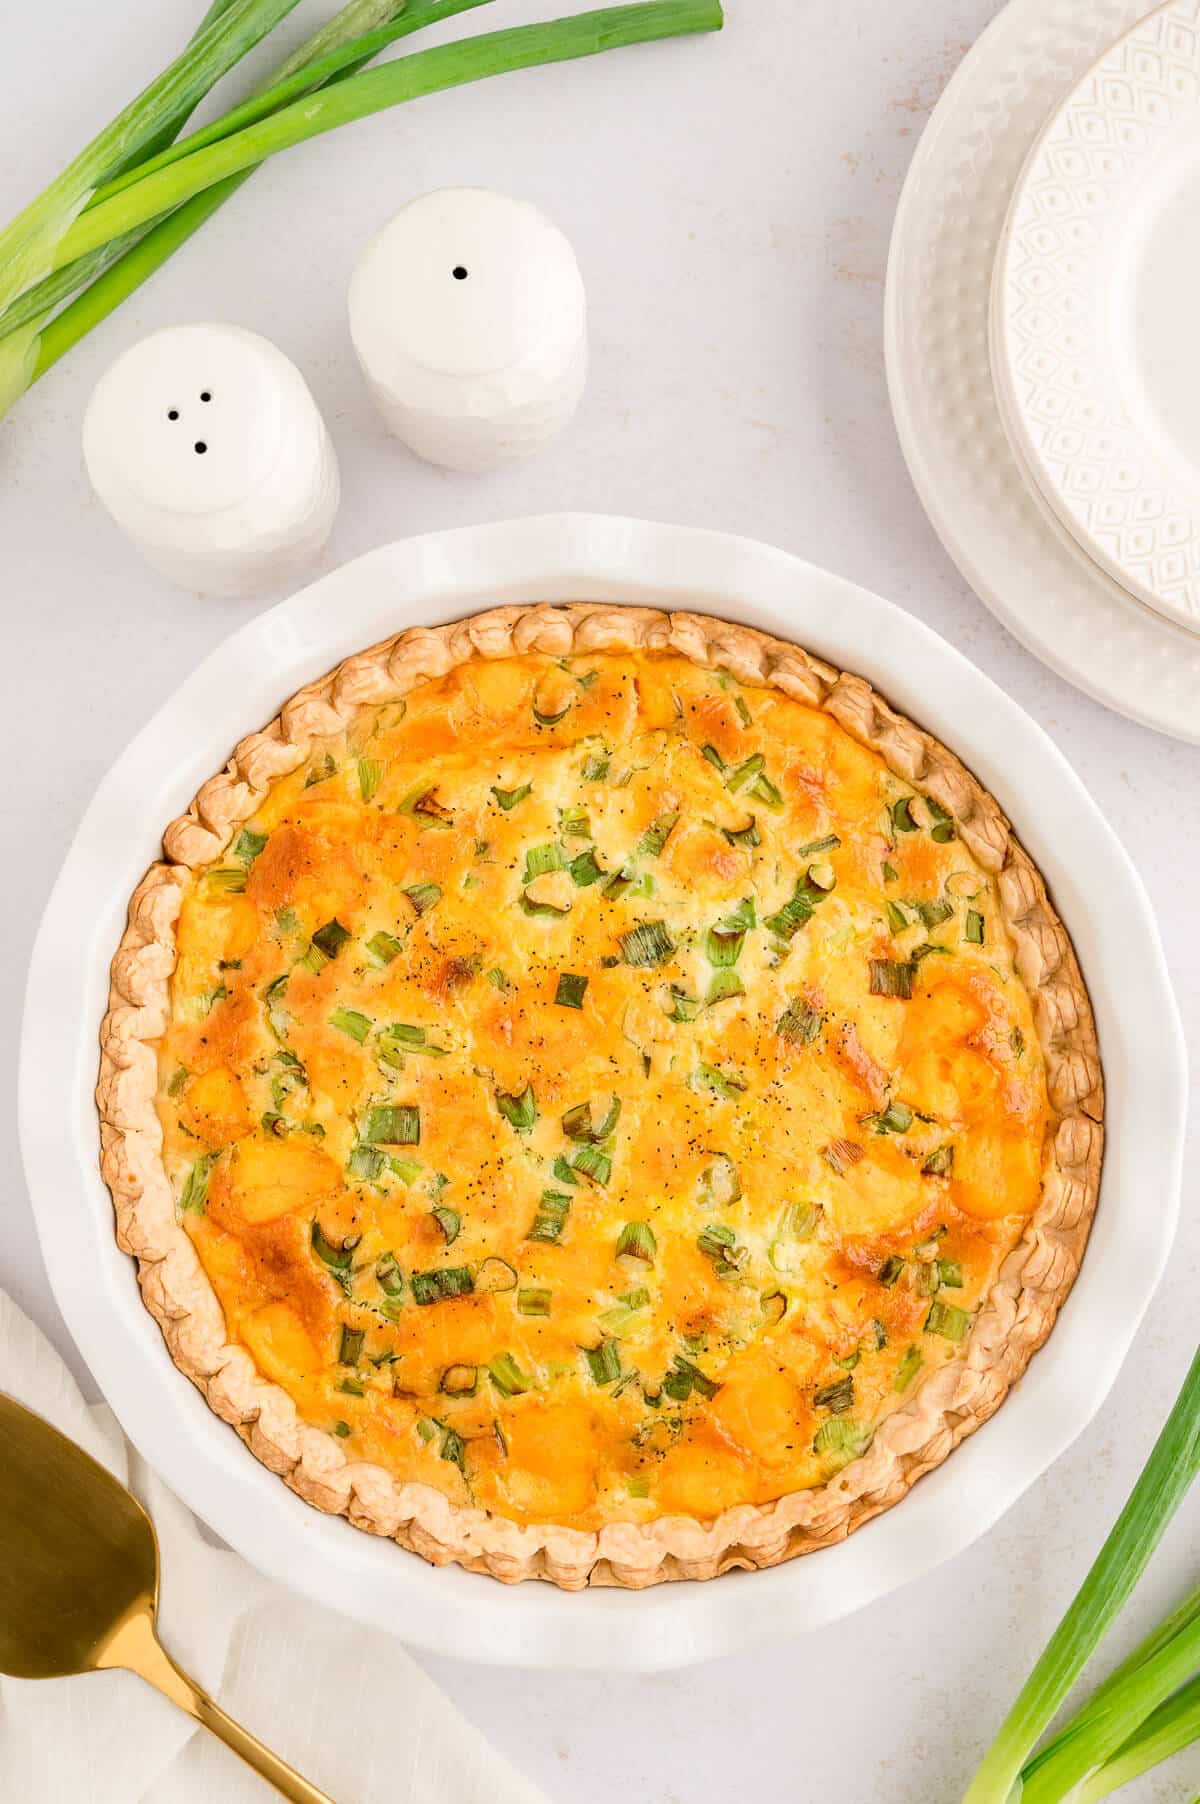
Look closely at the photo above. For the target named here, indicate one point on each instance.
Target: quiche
(594, 1094)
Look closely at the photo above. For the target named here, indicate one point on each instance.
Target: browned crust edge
(1011, 1324)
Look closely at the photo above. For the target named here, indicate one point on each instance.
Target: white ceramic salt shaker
(207, 448)
(468, 314)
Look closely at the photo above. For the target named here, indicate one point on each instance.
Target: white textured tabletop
(730, 201)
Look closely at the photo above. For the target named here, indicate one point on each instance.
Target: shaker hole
(172, 413)
(200, 447)
(205, 396)
(459, 273)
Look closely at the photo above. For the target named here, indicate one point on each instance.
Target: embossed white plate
(588, 557)
(1093, 312)
(1009, 546)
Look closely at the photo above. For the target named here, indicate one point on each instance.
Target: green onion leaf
(902, 815)
(654, 839)
(838, 1396)
(841, 1438)
(551, 1217)
(508, 1377)
(533, 1302)
(577, 1123)
(370, 776)
(331, 938)
(179, 1078)
(350, 1350)
(799, 1024)
(225, 882)
(947, 1320)
(585, 870)
(647, 944)
(726, 1084)
(890, 1271)
(910, 1364)
(442, 1285)
(604, 1362)
(459, 1381)
(541, 859)
(1168, 1474)
(593, 1164)
(423, 896)
(392, 1124)
(389, 1275)
(897, 1118)
(891, 977)
(570, 991)
(449, 1221)
(349, 1021)
(384, 947)
(942, 830)
(684, 1378)
(249, 846)
(519, 1111)
(194, 1199)
(636, 1241)
(940, 1163)
(509, 798)
(973, 927)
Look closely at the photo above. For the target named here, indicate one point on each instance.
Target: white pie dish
(438, 578)
(1090, 322)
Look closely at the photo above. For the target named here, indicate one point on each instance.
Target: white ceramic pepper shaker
(208, 450)
(469, 318)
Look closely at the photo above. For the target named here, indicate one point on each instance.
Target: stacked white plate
(1043, 342)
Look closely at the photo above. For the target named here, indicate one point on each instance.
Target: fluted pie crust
(1011, 1323)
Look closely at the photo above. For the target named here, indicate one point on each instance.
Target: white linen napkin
(345, 1705)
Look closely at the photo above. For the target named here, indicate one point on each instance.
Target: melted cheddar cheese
(599, 1090)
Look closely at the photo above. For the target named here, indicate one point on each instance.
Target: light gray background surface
(730, 201)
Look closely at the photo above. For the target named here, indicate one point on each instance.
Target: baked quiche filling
(599, 1090)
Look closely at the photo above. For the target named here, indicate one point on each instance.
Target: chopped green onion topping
(940, 1163)
(459, 1381)
(654, 839)
(179, 1078)
(350, 1350)
(585, 870)
(342, 1430)
(393, 1124)
(384, 947)
(842, 1438)
(910, 1364)
(575, 823)
(533, 1302)
(721, 986)
(370, 776)
(647, 944)
(897, 1118)
(449, 1221)
(891, 1270)
(830, 843)
(604, 1361)
(838, 1396)
(570, 991)
(799, 1024)
(541, 859)
(349, 1021)
(726, 1084)
(949, 1274)
(249, 846)
(719, 1243)
(227, 881)
(423, 896)
(389, 1276)
(520, 1112)
(331, 938)
(508, 1377)
(194, 1199)
(595, 767)
(593, 1164)
(509, 798)
(551, 1217)
(684, 1378)
(495, 1276)
(892, 977)
(441, 1285)
(636, 1241)
(947, 1320)
(577, 1123)
(942, 830)
(902, 815)
(973, 927)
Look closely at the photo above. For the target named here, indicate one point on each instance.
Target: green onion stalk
(1117, 1725)
(112, 226)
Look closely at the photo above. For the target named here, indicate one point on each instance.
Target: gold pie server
(79, 1583)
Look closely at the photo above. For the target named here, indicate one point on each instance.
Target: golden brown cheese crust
(598, 1096)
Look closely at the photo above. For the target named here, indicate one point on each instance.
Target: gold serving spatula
(79, 1583)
